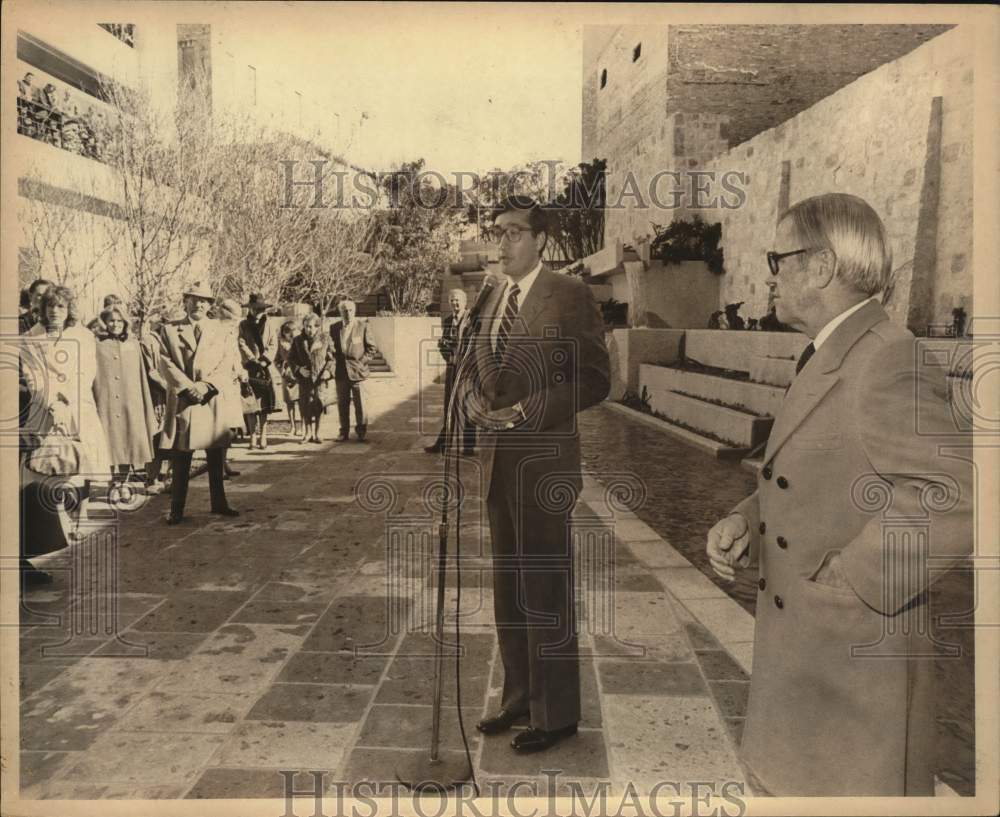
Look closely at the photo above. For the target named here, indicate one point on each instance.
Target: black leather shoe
(433, 449)
(342, 437)
(173, 519)
(538, 740)
(500, 722)
(227, 511)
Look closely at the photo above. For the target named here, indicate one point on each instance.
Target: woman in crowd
(59, 367)
(121, 392)
(258, 342)
(290, 383)
(313, 361)
(229, 314)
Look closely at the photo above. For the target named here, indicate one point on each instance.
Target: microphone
(491, 282)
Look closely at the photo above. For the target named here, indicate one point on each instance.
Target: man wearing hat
(258, 344)
(198, 360)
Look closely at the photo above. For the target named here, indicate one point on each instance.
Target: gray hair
(849, 227)
(347, 302)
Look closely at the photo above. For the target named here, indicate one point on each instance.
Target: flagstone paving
(296, 637)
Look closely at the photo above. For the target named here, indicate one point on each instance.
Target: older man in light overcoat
(197, 360)
(865, 496)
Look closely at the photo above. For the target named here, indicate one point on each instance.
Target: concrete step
(760, 399)
(730, 349)
(775, 371)
(735, 428)
(719, 450)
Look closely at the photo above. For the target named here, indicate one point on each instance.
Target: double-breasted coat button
(762, 583)
(782, 542)
(766, 473)
(779, 602)
(782, 482)
(762, 528)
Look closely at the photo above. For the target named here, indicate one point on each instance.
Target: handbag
(326, 390)
(58, 455)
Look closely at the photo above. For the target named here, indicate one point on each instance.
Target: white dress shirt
(523, 286)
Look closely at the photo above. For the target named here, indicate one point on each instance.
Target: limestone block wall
(885, 139)
(629, 348)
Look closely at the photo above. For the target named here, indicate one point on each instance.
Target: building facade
(734, 123)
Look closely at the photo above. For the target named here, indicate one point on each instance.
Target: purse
(325, 390)
(56, 456)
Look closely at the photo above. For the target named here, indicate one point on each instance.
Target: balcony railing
(123, 31)
(77, 134)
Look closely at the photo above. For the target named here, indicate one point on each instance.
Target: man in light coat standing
(353, 349)
(539, 359)
(864, 497)
(198, 360)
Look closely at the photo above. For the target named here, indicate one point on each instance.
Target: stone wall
(885, 139)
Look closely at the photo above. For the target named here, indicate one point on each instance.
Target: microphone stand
(433, 771)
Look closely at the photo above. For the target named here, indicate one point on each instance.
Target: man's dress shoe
(500, 722)
(538, 740)
(226, 511)
(174, 519)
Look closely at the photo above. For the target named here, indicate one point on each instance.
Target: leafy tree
(420, 231)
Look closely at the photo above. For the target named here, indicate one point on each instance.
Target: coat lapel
(819, 377)
(536, 301)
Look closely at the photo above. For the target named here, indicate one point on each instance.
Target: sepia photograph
(499, 408)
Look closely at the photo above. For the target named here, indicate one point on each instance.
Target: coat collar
(819, 377)
(831, 354)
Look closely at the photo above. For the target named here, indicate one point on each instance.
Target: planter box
(743, 430)
(629, 348)
(760, 399)
(733, 349)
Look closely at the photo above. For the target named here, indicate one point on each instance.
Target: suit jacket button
(779, 602)
(766, 473)
(762, 584)
(782, 482)
(782, 542)
(762, 528)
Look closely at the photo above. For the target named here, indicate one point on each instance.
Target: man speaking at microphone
(539, 359)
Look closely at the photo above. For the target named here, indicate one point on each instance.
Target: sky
(464, 87)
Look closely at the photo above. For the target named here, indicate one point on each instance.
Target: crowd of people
(45, 114)
(108, 402)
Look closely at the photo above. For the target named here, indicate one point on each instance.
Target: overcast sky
(464, 87)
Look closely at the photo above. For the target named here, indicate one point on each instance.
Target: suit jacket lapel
(535, 301)
(819, 377)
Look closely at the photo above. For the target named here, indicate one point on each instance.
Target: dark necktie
(807, 353)
(197, 333)
(509, 313)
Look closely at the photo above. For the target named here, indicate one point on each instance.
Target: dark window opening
(604, 77)
(636, 52)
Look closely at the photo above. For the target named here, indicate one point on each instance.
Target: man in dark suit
(353, 348)
(539, 359)
(865, 496)
(454, 340)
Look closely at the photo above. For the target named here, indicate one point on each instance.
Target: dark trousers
(468, 428)
(533, 602)
(348, 391)
(182, 473)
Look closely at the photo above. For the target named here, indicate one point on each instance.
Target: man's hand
(831, 573)
(728, 540)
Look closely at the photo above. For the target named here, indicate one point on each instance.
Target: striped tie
(509, 313)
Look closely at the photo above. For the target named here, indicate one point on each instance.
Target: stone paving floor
(296, 637)
(219, 652)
